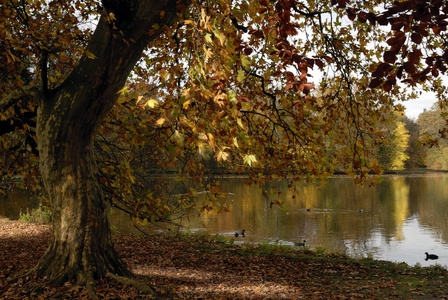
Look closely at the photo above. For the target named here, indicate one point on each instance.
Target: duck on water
(237, 234)
(300, 244)
(430, 256)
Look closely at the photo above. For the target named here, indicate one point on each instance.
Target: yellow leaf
(186, 104)
(139, 98)
(186, 92)
(249, 159)
(201, 147)
(189, 22)
(160, 121)
(220, 36)
(152, 103)
(232, 97)
(208, 38)
(112, 16)
(222, 156)
(211, 140)
(123, 90)
(235, 142)
(240, 123)
(90, 55)
(178, 135)
(121, 99)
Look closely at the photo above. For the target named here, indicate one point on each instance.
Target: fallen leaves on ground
(181, 267)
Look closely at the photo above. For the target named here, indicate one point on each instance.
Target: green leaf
(245, 61)
(241, 75)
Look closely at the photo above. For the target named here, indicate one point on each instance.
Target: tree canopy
(103, 94)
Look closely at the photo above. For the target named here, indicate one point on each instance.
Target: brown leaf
(414, 56)
(362, 17)
(389, 57)
(375, 83)
(382, 70)
(436, 29)
(416, 38)
(351, 14)
(409, 67)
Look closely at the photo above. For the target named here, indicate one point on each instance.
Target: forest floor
(213, 267)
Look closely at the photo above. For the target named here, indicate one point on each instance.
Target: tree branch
(238, 26)
(308, 14)
(16, 95)
(44, 70)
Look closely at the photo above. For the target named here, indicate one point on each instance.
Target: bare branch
(238, 26)
(308, 14)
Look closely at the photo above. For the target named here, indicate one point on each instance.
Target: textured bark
(68, 120)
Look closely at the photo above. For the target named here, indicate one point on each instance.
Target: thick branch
(17, 95)
(238, 26)
(44, 71)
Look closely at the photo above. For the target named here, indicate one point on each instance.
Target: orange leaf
(289, 85)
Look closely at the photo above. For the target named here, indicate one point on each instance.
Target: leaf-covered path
(205, 268)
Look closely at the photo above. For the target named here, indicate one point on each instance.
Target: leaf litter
(194, 267)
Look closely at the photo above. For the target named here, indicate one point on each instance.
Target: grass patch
(40, 215)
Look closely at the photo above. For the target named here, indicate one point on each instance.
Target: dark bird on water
(430, 256)
(301, 244)
(237, 234)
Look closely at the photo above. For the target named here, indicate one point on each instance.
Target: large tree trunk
(81, 246)
(68, 120)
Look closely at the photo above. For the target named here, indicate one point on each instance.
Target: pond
(399, 219)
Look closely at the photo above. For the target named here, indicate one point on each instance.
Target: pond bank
(212, 267)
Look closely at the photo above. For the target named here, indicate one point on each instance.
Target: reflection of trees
(401, 190)
(393, 208)
(334, 221)
(432, 204)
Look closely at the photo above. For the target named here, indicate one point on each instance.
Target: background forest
(409, 144)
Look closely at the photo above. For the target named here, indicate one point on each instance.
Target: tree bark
(68, 120)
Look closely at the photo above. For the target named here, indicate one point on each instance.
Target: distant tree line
(407, 144)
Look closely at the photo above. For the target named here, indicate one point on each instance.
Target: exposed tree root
(89, 285)
(142, 287)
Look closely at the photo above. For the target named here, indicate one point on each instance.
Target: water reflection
(399, 219)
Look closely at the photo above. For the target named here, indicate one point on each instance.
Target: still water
(399, 219)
